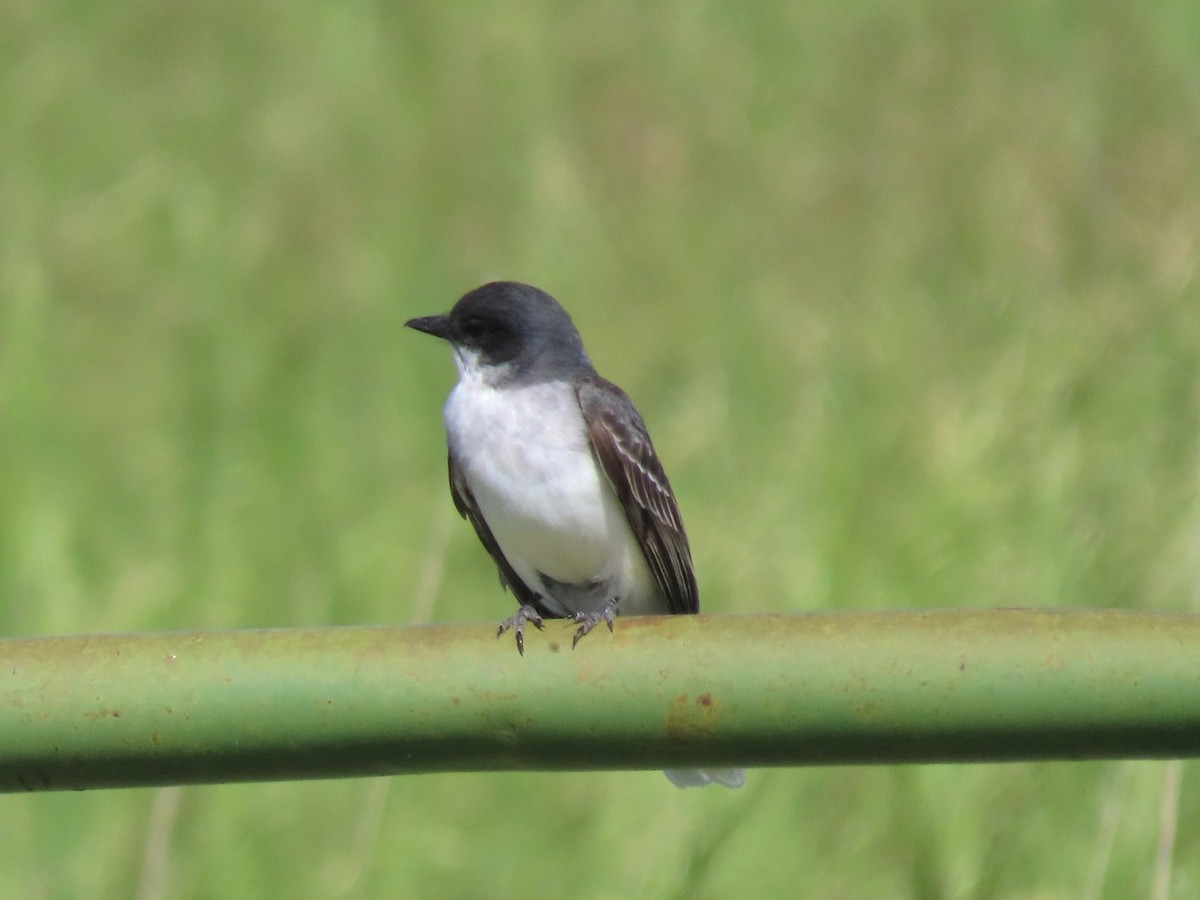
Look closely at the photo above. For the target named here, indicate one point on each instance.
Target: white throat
(472, 369)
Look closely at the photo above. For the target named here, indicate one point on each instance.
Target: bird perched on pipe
(554, 468)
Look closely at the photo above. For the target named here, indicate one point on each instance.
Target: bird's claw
(517, 621)
(589, 620)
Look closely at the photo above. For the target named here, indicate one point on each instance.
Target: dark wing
(622, 446)
(464, 502)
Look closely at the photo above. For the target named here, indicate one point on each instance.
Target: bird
(554, 468)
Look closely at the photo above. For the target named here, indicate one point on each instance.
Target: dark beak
(438, 326)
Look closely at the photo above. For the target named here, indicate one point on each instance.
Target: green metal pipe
(762, 690)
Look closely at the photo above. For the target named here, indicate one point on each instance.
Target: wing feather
(622, 446)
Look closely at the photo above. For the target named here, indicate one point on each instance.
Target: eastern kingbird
(554, 468)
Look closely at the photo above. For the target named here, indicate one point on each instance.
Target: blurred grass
(908, 295)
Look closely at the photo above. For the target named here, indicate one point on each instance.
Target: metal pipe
(759, 690)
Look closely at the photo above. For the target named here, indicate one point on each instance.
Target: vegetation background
(907, 293)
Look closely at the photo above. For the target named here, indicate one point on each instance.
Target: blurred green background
(907, 294)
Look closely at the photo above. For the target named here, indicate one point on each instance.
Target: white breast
(524, 452)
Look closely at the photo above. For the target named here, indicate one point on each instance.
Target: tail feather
(684, 778)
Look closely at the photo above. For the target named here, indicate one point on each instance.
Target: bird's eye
(476, 330)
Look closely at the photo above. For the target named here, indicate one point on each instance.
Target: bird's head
(506, 330)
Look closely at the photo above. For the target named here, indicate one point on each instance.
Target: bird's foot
(517, 623)
(589, 620)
